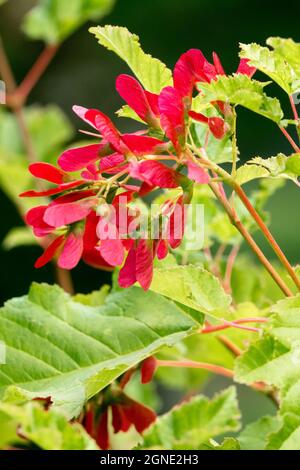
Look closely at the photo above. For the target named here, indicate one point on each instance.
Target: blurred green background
(84, 73)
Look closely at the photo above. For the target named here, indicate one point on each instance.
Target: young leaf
(60, 348)
(49, 129)
(218, 150)
(49, 430)
(95, 298)
(255, 435)
(280, 166)
(289, 51)
(274, 358)
(55, 20)
(192, 286)
(248, 172)
(18, 236)
(152, 73)
(288, 436)
(193, 423)
(239, 89)
(270, 63)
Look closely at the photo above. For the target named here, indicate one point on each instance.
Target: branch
(294, 109)
(63, 277)
(197, 365)
(290, 139)
(233, 324)
(240, 192)
(35, 73)
(254, 247)
(233, 348)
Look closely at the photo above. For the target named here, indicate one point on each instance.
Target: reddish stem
(233, 324)
(64, 280)
(240, 192)
(230, 345)
(251, 242)
(35, 73)
(295, 112)
(197, 365)
(229, 267)
(290, 139)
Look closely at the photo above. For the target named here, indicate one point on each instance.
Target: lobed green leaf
(152, 73)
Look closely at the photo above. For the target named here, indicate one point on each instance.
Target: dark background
(83, 73)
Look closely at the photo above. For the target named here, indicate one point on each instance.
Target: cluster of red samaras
(71, 222)
(121, 410)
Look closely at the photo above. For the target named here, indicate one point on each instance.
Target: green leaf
(272, 64)
(152, 73)
(49, 430)
(95, 298)
(60, 348)
(14, 179)
(193, 287)
(229, 443)
(2, 1)
(207, 348)
(18, 236)
(255, 435)
(191, 424)
(280, 166)
(49, 129)
(250, 172)
(55, 20)
(274, 359)
(239, 89)
(218, 150)
(49, 132)
(289, 51)
(127, 112)
(288, 436)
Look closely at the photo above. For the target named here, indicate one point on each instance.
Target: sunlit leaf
(192, 286)
(54, 20)
(49, 430)
(191, 424)
(61, 348)
(272, 64)
(152, 73)
(239, 89)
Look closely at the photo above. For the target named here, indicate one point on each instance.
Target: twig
(233, 324)
(240, 192)
(64, 280)
(290, 139)
(254, 247)
(229, 267)
(197, 365)
(294, 109)
(35, 73)
(63, 277)
(243, 197)
(230, 345)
